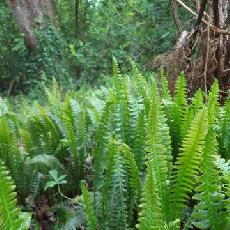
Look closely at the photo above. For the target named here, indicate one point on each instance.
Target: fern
(102, 141)
(91, 217)
(224, 132)
(54, 98)
(188, 163)
(133, 182)
(138, 145)
(118, 199)
(150, 216)
(227, 204)
(157, 143)
(122, 113)
(10, 154)
(208, 212)
(213, 103)
(177, 114)
(190, 112)
(132, 170)
(140, 86)
(11, 217)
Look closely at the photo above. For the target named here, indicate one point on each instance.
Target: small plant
(56, 181)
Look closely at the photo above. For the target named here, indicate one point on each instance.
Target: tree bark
(31, 14)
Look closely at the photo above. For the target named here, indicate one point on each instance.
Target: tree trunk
(31, 14)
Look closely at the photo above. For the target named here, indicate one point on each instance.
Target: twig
(212, 27)
(10, 87)
(176, 18)
(207, 52)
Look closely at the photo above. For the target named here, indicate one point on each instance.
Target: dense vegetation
(80, 45)
(125, 156)
(87, 141)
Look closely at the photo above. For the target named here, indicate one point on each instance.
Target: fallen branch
(212, 27)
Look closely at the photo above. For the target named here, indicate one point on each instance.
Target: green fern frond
(150, 216)
(122, 113)
(118, 198)
(140, 85)
(158, 148)
(188, 163)
(103, 134)
(54, 98)
(44, 163)
(177, 114)
(164, 86)
(213, 97)
(11, 217)
(190, 112)
(137, 130)
(91, 217)
(9, 152)
(132, 170)
(208, 212)
(44, 136)
(227, 205)
(224, 132)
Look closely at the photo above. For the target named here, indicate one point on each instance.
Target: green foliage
(149, 160)
(83, 34)
(208, 211)
(91, 218)
(56, 180)
(11, 216)
(188, 163)
(24, 69)
(151, 216)
(224, 133)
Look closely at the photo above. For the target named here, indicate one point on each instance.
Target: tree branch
(176, 18)
(212, 27)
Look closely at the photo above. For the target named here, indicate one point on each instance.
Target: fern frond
(164, 86)
(227, 204)
(224, 132)
(44, 163)
(150, 216)
(118, 198)
(208, 212)
(213, 97)
(10, 154)
(91, 217)
(177, 114)
(132, 170)
(122, 113)
(139, 133)
(140, 85)
(188, 163)
(190, 112)
(54, 98)
(158, 144)
(11, 217)
(103, 134)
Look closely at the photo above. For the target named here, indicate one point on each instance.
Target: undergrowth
(121, 157)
